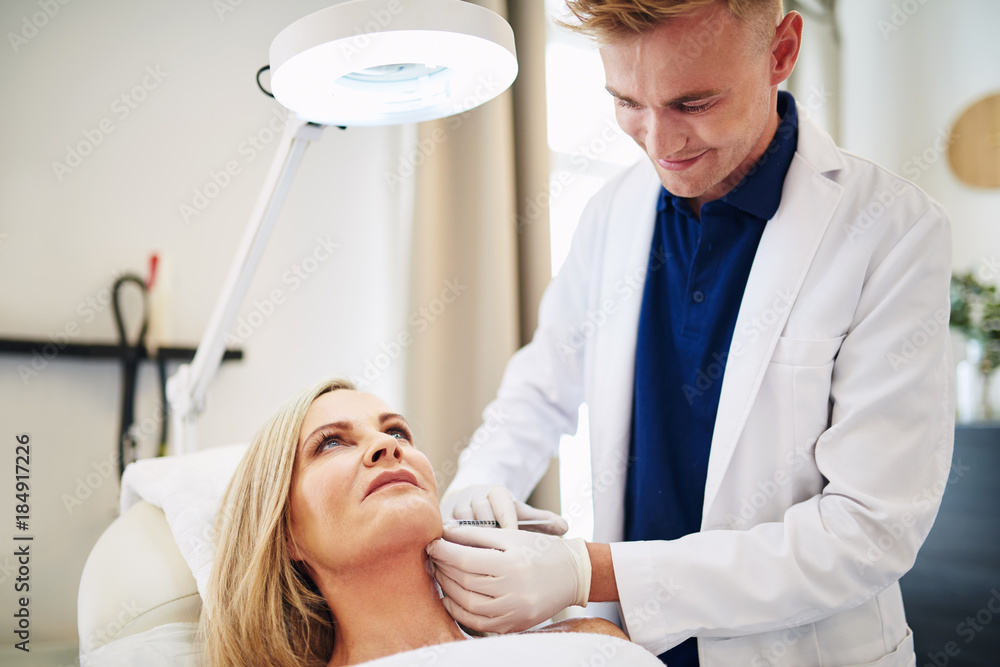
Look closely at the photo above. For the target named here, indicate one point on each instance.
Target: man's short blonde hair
(608, 21)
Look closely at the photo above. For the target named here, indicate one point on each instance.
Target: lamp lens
(395, 72)
(400, 85)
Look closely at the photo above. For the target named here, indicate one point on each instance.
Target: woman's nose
(382, 447)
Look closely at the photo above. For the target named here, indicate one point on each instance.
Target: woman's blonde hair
(610, 20)
(262, 608)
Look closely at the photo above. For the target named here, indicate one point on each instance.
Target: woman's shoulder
(596, 626)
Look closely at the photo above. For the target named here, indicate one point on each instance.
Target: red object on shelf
(154, 260)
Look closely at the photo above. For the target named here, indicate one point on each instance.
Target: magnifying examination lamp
(358, 63)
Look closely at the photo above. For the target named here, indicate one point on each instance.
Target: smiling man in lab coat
(758, 322)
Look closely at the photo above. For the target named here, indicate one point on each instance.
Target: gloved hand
(489, 502)
(499, 580)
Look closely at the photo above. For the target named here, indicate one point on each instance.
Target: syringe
(490, 523)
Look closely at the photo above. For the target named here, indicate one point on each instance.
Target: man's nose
(381, 448)
(665, 138)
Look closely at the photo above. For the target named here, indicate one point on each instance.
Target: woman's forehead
(344, 405)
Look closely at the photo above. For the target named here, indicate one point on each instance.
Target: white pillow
(189, 489)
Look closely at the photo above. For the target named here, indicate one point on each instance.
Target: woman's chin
(409, 521)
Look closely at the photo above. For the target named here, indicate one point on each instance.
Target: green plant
(975, 311)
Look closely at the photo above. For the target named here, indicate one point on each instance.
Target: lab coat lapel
(786, 251)
(626, 250)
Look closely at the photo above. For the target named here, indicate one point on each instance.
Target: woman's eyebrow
(346, 425)
(342, 425)
(387, 416)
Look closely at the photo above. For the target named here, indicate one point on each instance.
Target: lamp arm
(187, 388)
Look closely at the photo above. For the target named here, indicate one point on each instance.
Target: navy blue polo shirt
(689, 308)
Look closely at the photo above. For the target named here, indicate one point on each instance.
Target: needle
(489, 523)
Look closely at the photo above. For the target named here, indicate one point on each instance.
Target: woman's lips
(393, 478)
(679, 165)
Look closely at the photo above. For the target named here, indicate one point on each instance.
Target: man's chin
(683, 185)
(678, 187)
(676, 184)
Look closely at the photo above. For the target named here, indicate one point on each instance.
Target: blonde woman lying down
(321, 556)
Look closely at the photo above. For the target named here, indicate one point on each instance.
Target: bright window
(586, 148)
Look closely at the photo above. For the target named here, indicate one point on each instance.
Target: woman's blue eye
(330, 442)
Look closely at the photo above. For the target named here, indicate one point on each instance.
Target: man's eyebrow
(677, 101)
(621, 96)
(696, 96)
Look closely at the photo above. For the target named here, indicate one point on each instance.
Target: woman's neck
(386, 606)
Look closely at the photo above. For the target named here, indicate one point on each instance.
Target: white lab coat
(833, 440)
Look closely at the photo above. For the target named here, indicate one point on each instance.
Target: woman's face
(360, 489)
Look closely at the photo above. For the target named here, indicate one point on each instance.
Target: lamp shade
(381, 62)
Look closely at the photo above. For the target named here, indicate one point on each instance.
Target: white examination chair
(139, 598)
(134, 580)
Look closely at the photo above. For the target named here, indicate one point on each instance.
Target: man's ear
(785, 50)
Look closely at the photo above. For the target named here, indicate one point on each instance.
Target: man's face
(696, 94)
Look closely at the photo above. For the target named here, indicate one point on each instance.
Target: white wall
(62, 239)
(910, 67)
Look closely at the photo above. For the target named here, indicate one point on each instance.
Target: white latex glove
(488, 502)
(499, 580)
